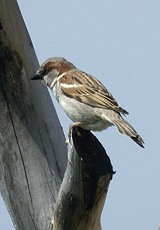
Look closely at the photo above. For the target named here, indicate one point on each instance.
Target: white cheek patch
(45, 77)
(44, 80)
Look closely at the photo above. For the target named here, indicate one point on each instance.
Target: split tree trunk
(33, 153)
(85, 184)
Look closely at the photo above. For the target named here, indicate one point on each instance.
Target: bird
(84, 99)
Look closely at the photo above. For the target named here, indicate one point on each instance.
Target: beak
(37, 77)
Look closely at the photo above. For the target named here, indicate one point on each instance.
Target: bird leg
(75, 125)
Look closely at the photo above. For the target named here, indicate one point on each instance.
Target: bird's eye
(45, 72)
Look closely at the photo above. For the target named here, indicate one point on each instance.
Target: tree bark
(33, 153)
(85, 184)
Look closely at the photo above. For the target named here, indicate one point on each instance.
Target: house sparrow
(83, 98)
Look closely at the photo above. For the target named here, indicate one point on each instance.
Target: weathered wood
(32, 145)
(85, 184)
(33, 153)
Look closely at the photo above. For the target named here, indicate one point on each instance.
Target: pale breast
(80, 112)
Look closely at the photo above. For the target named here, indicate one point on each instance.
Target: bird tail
(125, 128)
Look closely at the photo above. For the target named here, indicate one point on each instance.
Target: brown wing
(88, 90)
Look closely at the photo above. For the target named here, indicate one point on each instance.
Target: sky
(118, 42)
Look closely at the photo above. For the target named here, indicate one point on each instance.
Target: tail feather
(125, 128)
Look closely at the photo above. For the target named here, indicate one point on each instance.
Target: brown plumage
(84, 99)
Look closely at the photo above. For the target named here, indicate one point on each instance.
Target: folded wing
(88, 90)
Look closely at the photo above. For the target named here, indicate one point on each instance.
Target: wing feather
(87, 89)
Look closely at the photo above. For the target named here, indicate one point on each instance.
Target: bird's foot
(75, 126)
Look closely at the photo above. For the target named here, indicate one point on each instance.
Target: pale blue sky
(119, 43)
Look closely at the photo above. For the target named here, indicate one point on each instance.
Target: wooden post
(85, 184)
(33, 153)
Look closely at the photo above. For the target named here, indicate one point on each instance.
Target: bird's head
(51, 69)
